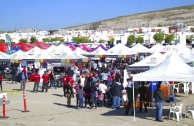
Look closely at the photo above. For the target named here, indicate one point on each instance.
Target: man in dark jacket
(158, 99)
(116, 92)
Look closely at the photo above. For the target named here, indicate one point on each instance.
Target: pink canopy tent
(84, 47)
(71, 47)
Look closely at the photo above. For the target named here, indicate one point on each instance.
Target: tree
(62, 40)
(169, 38)
(101, 41)
(140, 40)
(159, 37)
(81, 39)
(130, 40)
(46, 40)
(23, 40)
(33, 39)
(2, 40)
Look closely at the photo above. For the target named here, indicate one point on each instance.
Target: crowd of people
(95, 85)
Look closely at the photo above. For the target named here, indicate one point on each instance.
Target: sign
(137, 68)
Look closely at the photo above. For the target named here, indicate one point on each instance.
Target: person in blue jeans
(116, 89)
(158, 99)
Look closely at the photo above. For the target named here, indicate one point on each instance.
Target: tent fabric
(84, 47)
(19, 55)
(100, 46)
(34, 51)
(3, 47)
(71, 47)
(23, 46)
(119, 47)
(152, 60)
(80, 51)
(157, 48)
(41, 45)
(172, 69)
(138, 48)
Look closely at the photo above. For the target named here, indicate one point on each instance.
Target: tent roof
(152, 60)
(172, 69)
(41, 45)
(34, 51)
(138, 48)
(119, 47)
(157, 48)
(20, 55)
(3, 47)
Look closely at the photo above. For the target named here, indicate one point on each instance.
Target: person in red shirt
(71, 83)
(65, 82)
(45, 78)
(36, 82)
(1, 77)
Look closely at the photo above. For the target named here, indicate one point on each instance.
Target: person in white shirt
(101, 87)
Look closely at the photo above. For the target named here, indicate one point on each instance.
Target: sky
(56, 14)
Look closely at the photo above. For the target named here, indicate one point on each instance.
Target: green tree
(81, 39)
(169, 38)
(46, 40)
(62, 40)
(139, 39)
(2, 40)
(33, 39)
(101, 41)
(159, 37)
(130, 40)
(23, 40)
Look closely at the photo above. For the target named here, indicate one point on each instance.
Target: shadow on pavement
(58, 95)
(65, 105)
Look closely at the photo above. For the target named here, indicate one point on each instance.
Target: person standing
(13, 72)
(1, 77)
(116, 91)
(23, 79)
(158, 99)
(129, 91)
(52, 79)
(65, 83)
(142, 91)
(69, 94)
(45, 78)
(36, 82)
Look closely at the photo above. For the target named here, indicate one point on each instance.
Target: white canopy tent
(119, 47)
(19, 55)
(80, 51)
(138, 48)
(157, 48)
(34, 51)
(152, 60)
(4, 56)
(172, 69)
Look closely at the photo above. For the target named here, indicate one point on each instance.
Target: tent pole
(133, 103)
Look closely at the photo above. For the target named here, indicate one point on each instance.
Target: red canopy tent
(3, 47)
(23, 46)
(41, 45)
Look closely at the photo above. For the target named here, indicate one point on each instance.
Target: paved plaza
(49, 109)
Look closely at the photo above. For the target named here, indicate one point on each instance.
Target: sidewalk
(49, 109)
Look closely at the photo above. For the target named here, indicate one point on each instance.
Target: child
(100, 99)
(1, 77)
(81, 96)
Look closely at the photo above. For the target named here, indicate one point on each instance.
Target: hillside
(183, 14)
